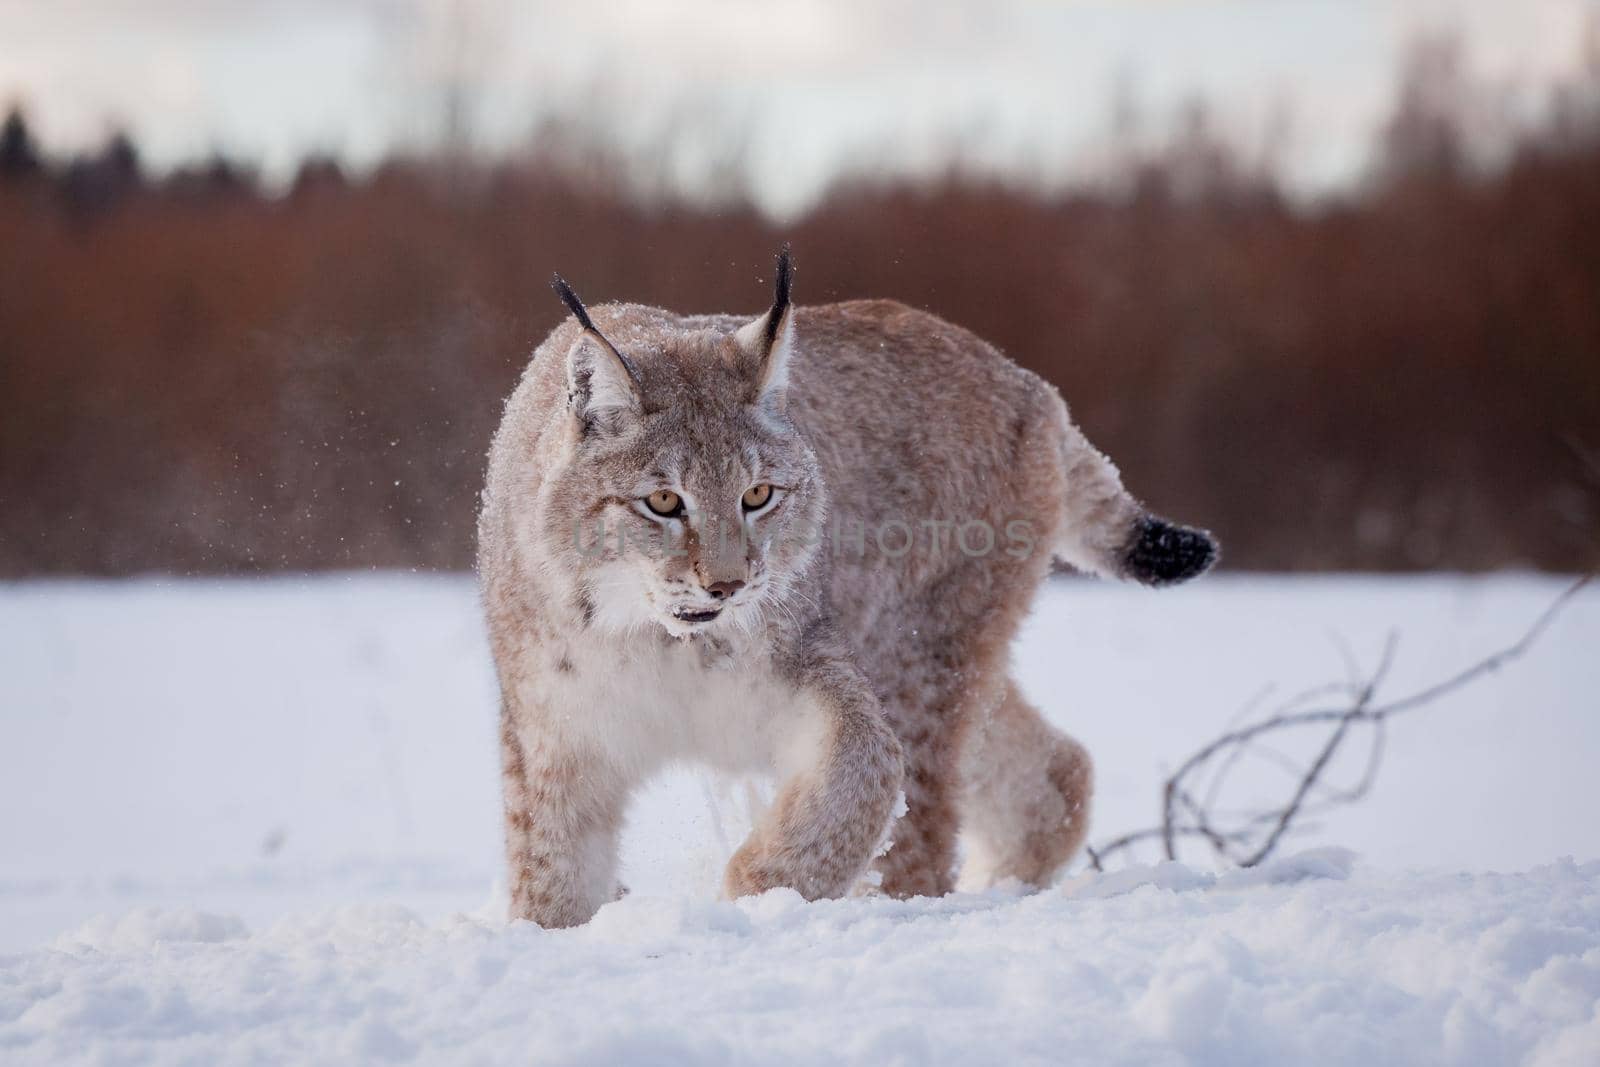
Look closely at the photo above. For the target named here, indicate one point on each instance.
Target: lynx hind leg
(1025, 797)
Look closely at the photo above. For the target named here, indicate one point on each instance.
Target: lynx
(800, 545)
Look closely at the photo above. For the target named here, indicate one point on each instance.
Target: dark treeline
(198, 377)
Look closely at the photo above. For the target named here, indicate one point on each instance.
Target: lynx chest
(653, 701)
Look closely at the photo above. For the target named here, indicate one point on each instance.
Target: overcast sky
(806, 89)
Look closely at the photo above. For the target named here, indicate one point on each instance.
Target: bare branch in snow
(1248, 838)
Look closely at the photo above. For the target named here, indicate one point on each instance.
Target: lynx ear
(769, 339)
(601, 382)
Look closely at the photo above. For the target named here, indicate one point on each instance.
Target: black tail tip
(1164, 553)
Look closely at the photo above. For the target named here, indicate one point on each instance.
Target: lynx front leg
(831, 815)
(563, 817)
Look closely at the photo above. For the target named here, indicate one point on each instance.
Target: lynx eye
(665, 502)
(755, 498)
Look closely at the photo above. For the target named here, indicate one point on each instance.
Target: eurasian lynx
(800, 545)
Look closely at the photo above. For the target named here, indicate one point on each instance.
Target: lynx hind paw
(1164, 553)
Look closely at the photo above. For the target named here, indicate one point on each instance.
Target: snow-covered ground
(257, 820)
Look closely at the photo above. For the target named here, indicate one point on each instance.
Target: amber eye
(756, 497)
(664, 502)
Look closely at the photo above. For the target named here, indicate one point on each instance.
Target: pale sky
(804, 90)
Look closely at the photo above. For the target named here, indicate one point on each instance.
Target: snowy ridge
(1152, 965)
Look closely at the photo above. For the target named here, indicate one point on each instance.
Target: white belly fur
(650, 702)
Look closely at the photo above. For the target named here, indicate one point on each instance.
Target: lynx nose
(724, 590)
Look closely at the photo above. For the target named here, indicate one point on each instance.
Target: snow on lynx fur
(799, 544)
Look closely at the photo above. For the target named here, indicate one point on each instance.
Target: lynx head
(686, 499)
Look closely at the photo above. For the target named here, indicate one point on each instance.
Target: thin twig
(1183, 817)
(1321, 762)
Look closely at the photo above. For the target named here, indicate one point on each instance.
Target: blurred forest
(200, 377)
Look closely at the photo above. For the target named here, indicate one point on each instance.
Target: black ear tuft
(579, 379)
(780, 301)
(1163, 553)
(574, 305)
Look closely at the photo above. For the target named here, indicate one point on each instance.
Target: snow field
(257, 821)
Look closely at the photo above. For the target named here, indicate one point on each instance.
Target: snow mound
(145, 928)
(1313, 863)
(1303, 962)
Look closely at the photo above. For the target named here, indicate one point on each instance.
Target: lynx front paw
(816, 873)
(747, 875)
(1164, 553)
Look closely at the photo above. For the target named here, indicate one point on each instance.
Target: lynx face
(688, 499)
